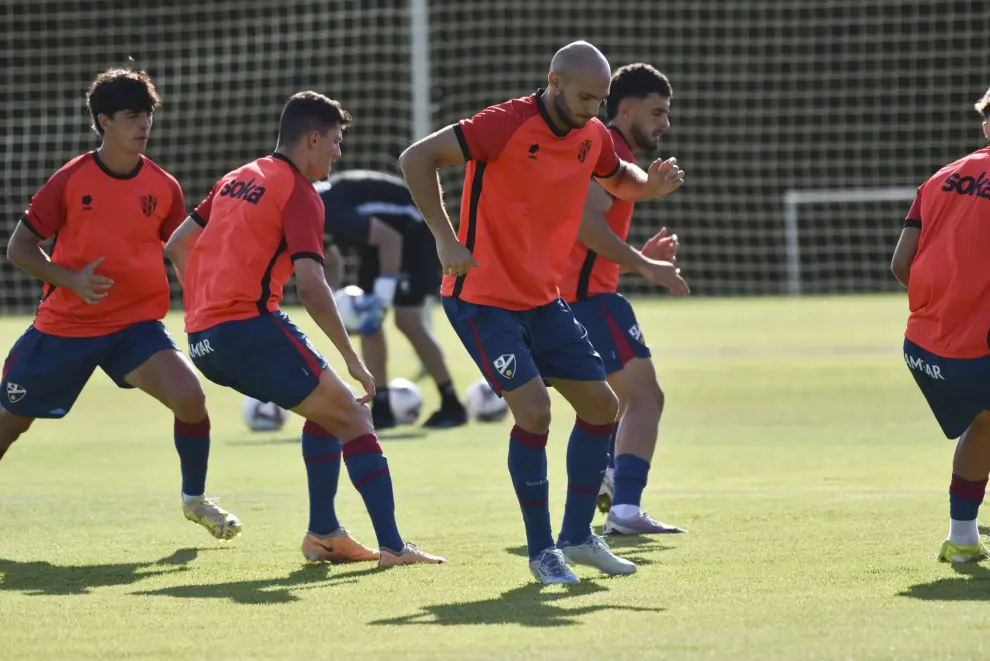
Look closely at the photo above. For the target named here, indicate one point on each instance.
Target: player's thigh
(169, 377)
(44, 374)
(956, 391)
(636, 384)
(409, 319)
(612, 329)
(334, 406)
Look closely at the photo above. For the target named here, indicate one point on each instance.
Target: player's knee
(534, 415)
(11, 428)
(410, 321)
(607, 405)
(188, 403)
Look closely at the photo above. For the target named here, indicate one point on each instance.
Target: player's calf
(970, 468)
(11, 428)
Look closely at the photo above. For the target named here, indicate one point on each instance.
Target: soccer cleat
(382, 417)
(643, 524)
(411, 555)
(207, 512)
(549, 567)
(337, 547)
(594, 552)
(606, 490)
(959, 554)
(446, 417)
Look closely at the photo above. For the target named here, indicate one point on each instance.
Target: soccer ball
(346, 299)
(263, 416)
(405, 400)
(483, 404)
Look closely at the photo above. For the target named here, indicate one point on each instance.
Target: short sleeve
(47, 212)
(201, 214)
(914, 214)
(176, 213)
(483, 136)
(608, 161)
(302, 223)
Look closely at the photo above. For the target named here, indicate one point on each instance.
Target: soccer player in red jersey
(529, 164)
(260, 224)
(637, 112)
(108, 213)
(941, 259)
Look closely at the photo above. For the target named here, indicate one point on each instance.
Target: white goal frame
(794, 198)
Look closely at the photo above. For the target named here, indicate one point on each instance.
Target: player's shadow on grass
(633, 547)
(972, 583)
(44, 578)
(263, 591)
(531, 605)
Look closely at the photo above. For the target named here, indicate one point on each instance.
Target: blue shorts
(266, 357)
(44, 374)
(612, 329)
(512, 347)
(957, 389)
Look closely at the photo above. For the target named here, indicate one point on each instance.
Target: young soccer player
(529, 163)
(374, 213)
(108, 213)
(259, 224)
(941, 259)
(637, 112)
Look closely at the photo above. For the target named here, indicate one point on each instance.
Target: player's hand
(664, 274)
(662, 247)
(90, 287)
(455, 258)
(360, 373)
(664, 177)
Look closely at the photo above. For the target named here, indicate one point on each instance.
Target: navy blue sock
(321, 452)
(368, 469)
(965, 498)
(528, 469)
(587, 456)
(629, 479)
(192, 440)
(611, 446)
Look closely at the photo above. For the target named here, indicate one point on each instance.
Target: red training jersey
(587, 273)
(92, 212)
(257, 220)
(949, 287)
(524, 188)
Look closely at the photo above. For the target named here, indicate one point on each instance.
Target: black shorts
(419, 273)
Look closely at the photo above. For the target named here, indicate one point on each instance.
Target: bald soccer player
(529, 163)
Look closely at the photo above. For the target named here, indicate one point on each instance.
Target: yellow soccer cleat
(959, 554)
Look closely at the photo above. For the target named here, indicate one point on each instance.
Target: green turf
(795, 449)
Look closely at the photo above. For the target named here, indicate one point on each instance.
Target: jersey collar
(546, 115)
(619, 133)
(110, 173)
(283, 157)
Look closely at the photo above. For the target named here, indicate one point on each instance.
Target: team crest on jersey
(148, 205)
(506, 365)
(583, 151)
(636, 334)
(15, 392)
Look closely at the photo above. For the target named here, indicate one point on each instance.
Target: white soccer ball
(483, 404)
(405, 400)
(345, 299)
(263, 416)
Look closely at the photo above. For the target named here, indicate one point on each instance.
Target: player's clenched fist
(664, 274)
(455, 258)
(662, 247)
(664, 177)
(90, 287)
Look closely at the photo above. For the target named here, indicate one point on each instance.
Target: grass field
(795, 448)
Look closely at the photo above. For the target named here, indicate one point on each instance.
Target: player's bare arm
(419, 163)
(632, 183)
(333, 267)
(181, 243)
(904, 252)
(316, 297)
(24, 251)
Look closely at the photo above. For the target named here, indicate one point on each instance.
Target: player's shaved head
(579, 58)
(579, 79)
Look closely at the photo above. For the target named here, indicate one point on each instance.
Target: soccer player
(108, 213)
(941, 259)
(637, 112)
(374, 213)
(529, 164)
(260, 224)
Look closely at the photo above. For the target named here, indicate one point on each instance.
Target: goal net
(770, 96)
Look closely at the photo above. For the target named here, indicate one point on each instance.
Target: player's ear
(103, 120)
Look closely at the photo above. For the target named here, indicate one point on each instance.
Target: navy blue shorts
(44, 374)
(957, 389)
(512, 347)
(266, 357)
(612, 329)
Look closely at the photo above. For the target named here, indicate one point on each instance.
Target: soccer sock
(321, 452)
(528, 469)
(965, 498)
(368, 469)
(630, 480)
(587, 452)
(192, 440)
(448, 397)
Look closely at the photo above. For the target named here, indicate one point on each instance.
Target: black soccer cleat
(446, 417)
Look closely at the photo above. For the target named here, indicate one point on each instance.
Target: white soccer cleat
(207, 512)
(549, 567)
(594, 552)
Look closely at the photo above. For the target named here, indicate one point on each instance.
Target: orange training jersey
(257, 221)
(524, 188)
(949, 287)
(92, 212)
(586, 272)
